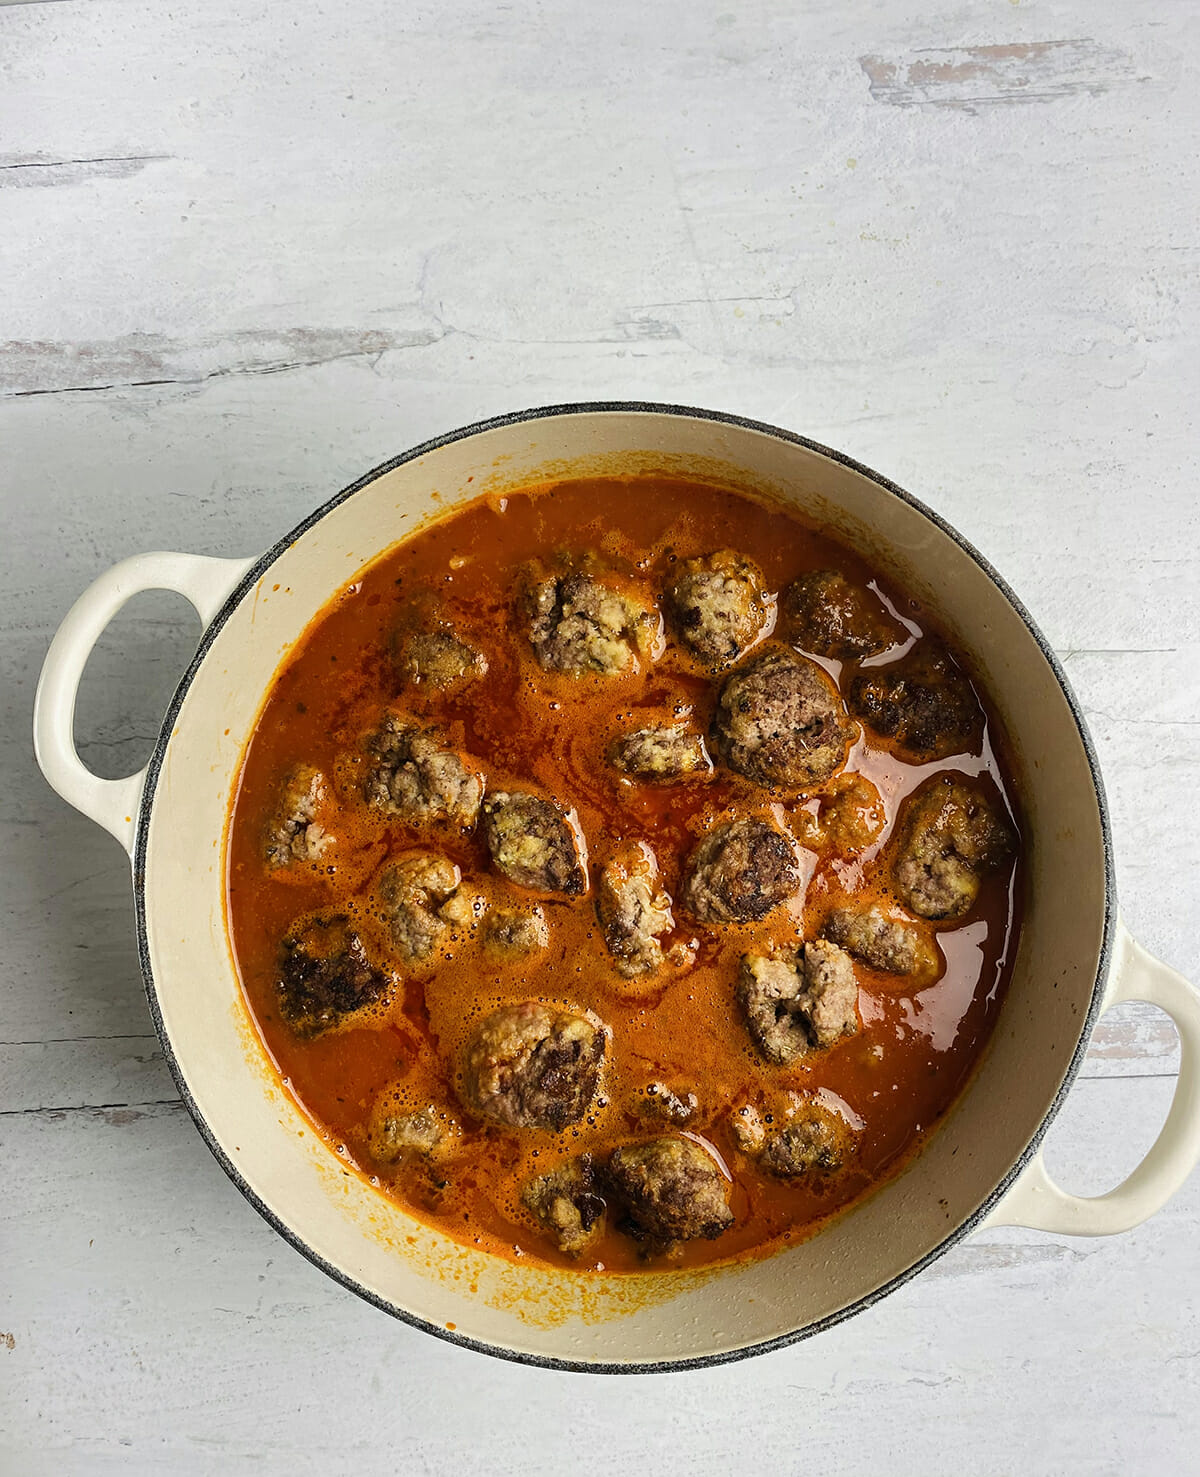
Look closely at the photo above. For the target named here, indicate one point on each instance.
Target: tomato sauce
(890, 1082)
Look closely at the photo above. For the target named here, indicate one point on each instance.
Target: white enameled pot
(981, 1167)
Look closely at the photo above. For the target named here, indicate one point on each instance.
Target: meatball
(850, 817)
(416, 777)
(634, 912)
(510, 932)
(295, 834)
(579, 625)
(951, 837)
(884, 943)
(739, 872)
(536, 843)
(780, 721)
(824, 613)
(567, 1204)
(673, 1189)
(438, 659)
(421, 900)
(716, 605)
(392, 1133)
(532, 1067)
(325, 975)
(924, 703)
(815, 1142)
(794, 1005)
(660, 755)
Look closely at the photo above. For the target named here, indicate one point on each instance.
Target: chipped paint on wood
(973, 77)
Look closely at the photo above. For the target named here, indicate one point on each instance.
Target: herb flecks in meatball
(535, 842)
(795, 1005)
(951, 837)
(780, 722)
(717, 606)
(578, 624)
(824, 613)
(887, 944)
(739, 872)
(815, 1142)
(393, 1133)
(634, 911)
(417, 777)
(325, 975)
(421, 903)
(295, 833)
(849, 818)
(661, 755)
(532, 1067)
(438, 660)
(924, 703)
(567, 1204)
(672, 1188)
(512, 933)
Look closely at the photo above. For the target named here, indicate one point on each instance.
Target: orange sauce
(892, 1081)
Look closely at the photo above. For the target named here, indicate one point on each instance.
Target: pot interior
(270, 1147)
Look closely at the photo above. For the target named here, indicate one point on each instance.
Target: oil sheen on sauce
(892, 1081)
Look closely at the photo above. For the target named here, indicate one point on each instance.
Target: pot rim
(499, 1351)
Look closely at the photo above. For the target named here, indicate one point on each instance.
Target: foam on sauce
(891, 1081)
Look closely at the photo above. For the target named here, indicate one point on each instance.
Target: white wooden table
(248, 251)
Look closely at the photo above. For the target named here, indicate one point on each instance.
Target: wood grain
(246, 256)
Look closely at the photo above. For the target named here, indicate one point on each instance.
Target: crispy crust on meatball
(295, 832)
(951, 836)
(716, 606)
(579, 624)
(888, 944)
(634, 911)
(660, 755)
(815, 1142)
(923, 703)
(535, 842)
(325, 974)
(780, 721)
(531, 1067)
(567, 1204)
(673, 1189)
(417, 777)
(739, 872)
(825, 613)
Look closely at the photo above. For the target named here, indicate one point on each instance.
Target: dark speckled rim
(255, 573)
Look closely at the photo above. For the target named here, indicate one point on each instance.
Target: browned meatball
(438, 659)
(418, 778)
(325, 975)
(793, 1005)
(716, 605)
(739, 872)
(531, 1067)
(660, 755)
(826, 614)
(295, 833)
(567, 1204)
(421, 902)
(511, 932)
(673, 1189)
(536, 843)
(634, 911)
(884, 943)
(780, 721)
(579, 624)
(951, 836)
(924, 703)
(815, 1142)
(850, 817)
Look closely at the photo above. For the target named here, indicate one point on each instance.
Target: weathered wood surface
(247, 252)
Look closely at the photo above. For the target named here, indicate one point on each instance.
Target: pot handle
(1036, 1202)
(113, 804)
